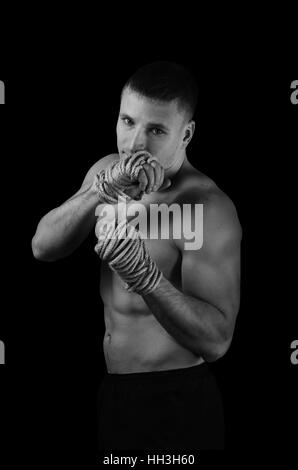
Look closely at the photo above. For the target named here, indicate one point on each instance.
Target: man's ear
(189, 132)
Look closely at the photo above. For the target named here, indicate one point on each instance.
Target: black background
(59, 119)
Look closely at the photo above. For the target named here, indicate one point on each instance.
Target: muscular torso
(134, 340)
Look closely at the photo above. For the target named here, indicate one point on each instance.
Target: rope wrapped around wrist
(120, 175)
(125, 251)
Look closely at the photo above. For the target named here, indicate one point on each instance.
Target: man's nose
(137, 142)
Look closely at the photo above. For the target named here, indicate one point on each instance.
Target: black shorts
(160, 410)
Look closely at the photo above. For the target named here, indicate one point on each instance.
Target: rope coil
(125, 251)
(120, 175)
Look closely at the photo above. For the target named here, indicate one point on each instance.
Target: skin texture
(190, 317)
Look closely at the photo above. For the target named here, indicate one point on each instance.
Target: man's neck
(171, 171)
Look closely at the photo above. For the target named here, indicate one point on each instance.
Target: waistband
(156, 375)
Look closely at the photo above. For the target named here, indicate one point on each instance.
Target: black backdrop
(60, 117)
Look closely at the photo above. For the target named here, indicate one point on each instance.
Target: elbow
(35, 248)
(217, 350)
(221, 342)
(215, 354)
(38, 252)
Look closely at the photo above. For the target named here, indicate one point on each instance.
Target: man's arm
(202, 317)
(64, 228)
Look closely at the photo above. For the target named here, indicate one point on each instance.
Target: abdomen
(134, 340)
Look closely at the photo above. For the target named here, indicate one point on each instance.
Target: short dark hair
(166, 81)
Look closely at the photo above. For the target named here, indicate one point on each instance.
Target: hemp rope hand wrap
(122, 246)
(120, 175)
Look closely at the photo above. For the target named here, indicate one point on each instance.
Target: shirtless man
(158, 392)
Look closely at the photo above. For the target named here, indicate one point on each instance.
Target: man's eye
(157, 131)
(127, 121)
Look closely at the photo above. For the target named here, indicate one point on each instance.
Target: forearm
(195, 324)
(64, 228)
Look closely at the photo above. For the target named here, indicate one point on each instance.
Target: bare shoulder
(219, 210)
(221, 218)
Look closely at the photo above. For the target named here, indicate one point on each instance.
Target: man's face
(155, 126)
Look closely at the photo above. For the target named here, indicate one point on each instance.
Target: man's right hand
(150, 179)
